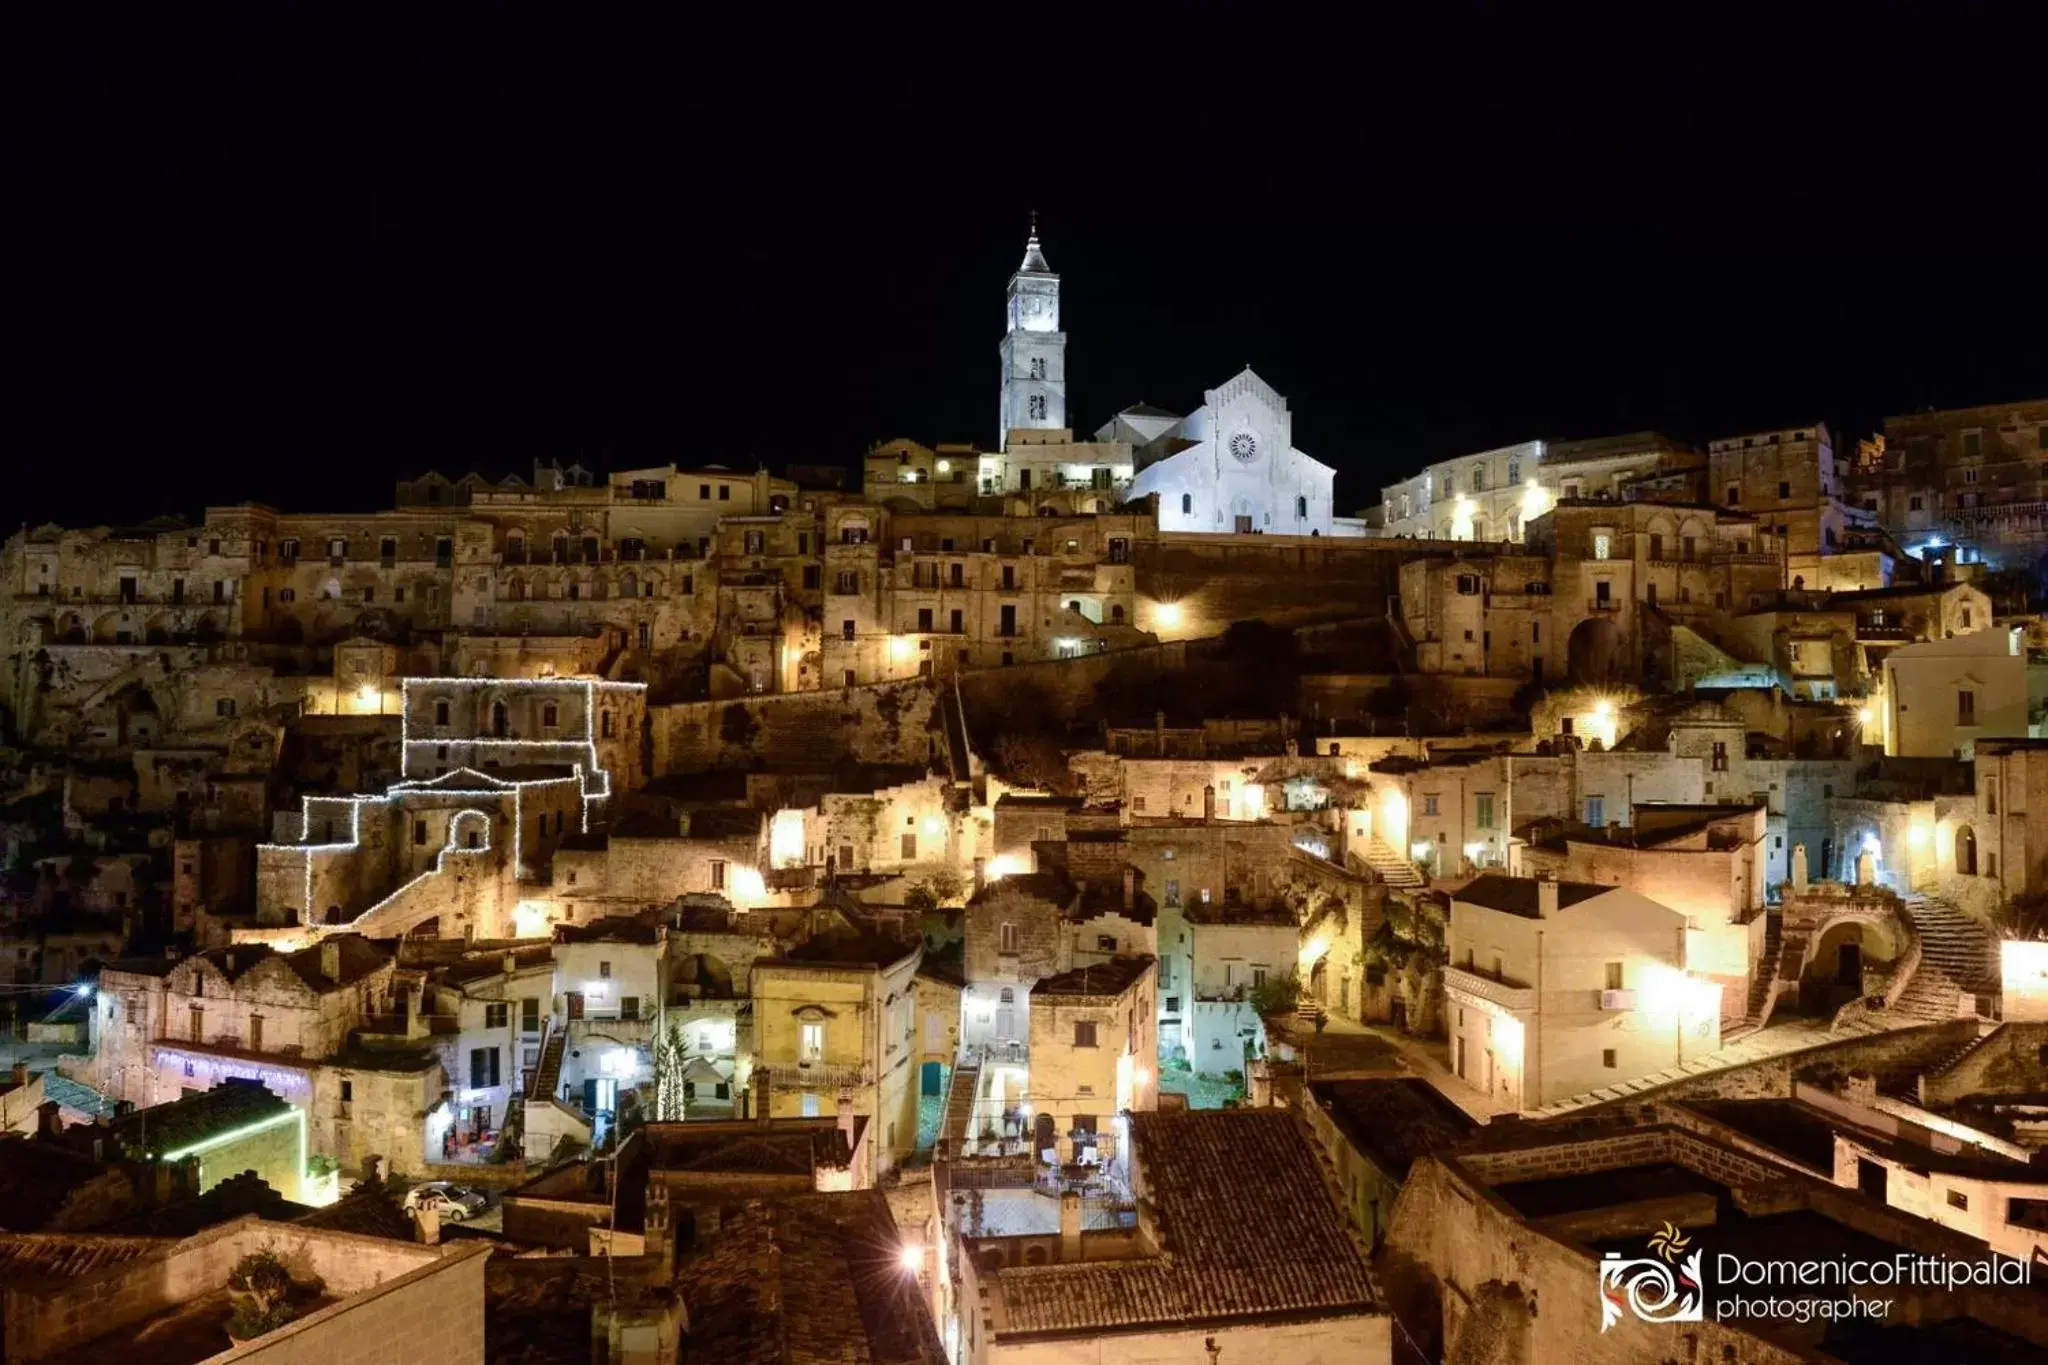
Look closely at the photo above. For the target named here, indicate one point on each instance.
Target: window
(1973, 443)
(909, 848)
(550, 715)
(811, 1042)
(1084, 1033)
(498, 1014)
(1482, 810)
(846, 582)
(1514, 471)
(1958, 1200)
(348, 1091)
(1006, 938)
(718, 874)
(1596, 811)
(1720, 762)
(419, 833)
(1038, 367)
(1966, 618)
(629, 1007)
(1734, 494)
(1187, 504)
(1966, 707)
(1607, 1058)
(1603, 544)
(1614, 976)
(483, 1067)
(1784, 489)
(725, 492)
(224, 706)
(1172, 894)
(1916, 503)
(1991, 797)
(604, 971)
(1656, 545)
(1301, 507)
(1429, 804)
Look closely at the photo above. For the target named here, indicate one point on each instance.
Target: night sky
(289, 253)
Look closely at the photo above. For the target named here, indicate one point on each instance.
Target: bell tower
(1034, 349)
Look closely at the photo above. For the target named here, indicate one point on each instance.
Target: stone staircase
(547, 1073)
(955, 1127)
(1763, 987)
(1958, 958)
(1391, 867)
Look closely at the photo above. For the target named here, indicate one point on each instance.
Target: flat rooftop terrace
(1554, 1195)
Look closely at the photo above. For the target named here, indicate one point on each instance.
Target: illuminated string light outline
(498, 787)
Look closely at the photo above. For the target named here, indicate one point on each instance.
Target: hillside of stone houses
(987, 869)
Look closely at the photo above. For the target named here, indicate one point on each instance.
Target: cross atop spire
(1034, 257)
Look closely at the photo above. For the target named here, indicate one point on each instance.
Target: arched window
(1301, 507)
(1187, 504)
(501, 719)
(1966, 850)
(1116, 613)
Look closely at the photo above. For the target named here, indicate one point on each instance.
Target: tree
(737, 726)
(1410, 947)
(671, 1058)
(1033, 759)
(1277, 995)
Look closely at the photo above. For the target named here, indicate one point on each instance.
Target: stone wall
(881, 723)
(1772, 1077)
(2008, 1061)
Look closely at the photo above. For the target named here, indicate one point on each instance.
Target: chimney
(658, 1231)
(1260, 1072)
(426, 1225)
(1130, 888)
(1070, 1225)
(1860, 1087)
(757, 1094)
(511, 964)
(330, 958)
(49, 1122)
(1546, 895)
(1209, 803)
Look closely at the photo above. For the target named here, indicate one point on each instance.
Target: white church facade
(1229, 467)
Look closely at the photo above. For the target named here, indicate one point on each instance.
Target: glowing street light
(911, 1257)
(1168, 615)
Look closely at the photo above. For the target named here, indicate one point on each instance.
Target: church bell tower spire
(1034, 349)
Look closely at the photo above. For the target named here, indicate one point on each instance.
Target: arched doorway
(501, 720)
(1966, 851)
(1593, 653)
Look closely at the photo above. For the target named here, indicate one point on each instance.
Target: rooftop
(1519, 895)
(1244, 1220)
(815, 1277)
(194, 1119)
(1111, 978)
(1393, 1120)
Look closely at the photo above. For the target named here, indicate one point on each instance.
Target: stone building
(1094, 1057)
(1969, 481)
(1941, 696)
(835, 1028)
(1262, 1264)
(1496, 1252)
(1557, 988)
(1787, 479)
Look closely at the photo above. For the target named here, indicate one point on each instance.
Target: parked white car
(453, 1202)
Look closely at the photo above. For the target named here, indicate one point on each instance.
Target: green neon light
(290, 1115)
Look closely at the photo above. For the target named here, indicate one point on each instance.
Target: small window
(1608, 1059)
(1084, 1033)
(1006, 938)
(604, 971)
(1614, 976)
(1958, 1200)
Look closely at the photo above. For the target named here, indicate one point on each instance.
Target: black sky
(288, 252)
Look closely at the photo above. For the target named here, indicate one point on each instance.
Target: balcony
(1604, 604)
(816, 1077)
(1483, 987)
(619, 1030)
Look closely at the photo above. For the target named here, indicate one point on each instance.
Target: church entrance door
(1244, 526)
